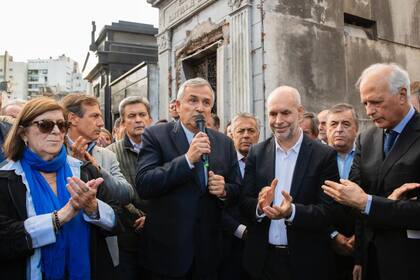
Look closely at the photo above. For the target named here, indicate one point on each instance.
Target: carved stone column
(241, 68)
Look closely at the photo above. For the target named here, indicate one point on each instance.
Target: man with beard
(288, 236)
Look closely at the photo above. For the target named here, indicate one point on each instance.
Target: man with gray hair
(245, 129)
(187, 175)
(288, 240)
(135, 117)
(387, 156)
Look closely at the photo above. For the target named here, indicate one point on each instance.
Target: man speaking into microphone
(187, 173)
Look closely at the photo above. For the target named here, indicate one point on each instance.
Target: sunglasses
(46, 126)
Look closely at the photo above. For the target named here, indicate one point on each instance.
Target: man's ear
(73, 118)
(403, 95)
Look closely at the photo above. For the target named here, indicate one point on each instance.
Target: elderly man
(322, 126)
(187, 175)
(245, 132)
(387, 156)
(288, 240)
(342, 127)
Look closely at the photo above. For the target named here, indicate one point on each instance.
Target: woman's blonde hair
(14, 144)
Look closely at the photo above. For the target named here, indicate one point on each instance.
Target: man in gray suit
(85, 118)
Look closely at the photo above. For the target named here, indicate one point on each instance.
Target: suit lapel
(377, 151)
(408, 136)
(179, 139)
(269, 162)
(301, 166)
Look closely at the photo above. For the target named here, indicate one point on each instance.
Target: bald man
(289, 236)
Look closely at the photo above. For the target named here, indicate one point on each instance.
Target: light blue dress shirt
(344, 162)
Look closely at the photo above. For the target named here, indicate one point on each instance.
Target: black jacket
(308, 234)
(183, 222)
(15, 242)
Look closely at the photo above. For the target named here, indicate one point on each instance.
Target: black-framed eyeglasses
(46, 126)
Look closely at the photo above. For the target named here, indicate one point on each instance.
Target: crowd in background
(176, 199)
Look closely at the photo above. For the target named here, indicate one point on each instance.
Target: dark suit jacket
(386, 226)
(183, 222)
(308, 234)
(16, 244)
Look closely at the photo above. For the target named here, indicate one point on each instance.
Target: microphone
(200, 122)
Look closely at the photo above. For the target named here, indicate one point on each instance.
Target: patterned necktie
(390, 136)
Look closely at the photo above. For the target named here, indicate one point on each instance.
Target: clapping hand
(83, 195)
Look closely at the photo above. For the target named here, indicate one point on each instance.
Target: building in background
(61, 75)
(13, 78)
(119, 64)
(246, 48)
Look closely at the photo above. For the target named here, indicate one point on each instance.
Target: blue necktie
(390, 137)
(201, 171)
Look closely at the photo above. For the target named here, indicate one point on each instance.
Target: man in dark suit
(387, 156)
(245, 132)
(288, 240)
(186, 198)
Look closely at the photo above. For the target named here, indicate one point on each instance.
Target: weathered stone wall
(308, 47)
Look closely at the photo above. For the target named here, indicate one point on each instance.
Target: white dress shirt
(284, 169)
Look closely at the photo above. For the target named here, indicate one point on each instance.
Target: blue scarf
(68, 257)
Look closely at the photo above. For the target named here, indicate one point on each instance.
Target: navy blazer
(308, 234)
(387, 223)
(183, 222)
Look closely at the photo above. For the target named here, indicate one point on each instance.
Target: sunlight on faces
(385, 110)
(284, 114)
(341, 131)
(244, 134)
(89, 126)
(136, 119)
(196, 100)
(45, 145)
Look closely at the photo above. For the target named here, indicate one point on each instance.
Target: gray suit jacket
(120, 188)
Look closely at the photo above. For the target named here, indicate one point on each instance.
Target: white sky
(39, 29)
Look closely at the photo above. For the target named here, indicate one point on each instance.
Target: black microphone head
(199, 118)
(200, 122)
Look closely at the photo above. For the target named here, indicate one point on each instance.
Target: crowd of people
(320, 198)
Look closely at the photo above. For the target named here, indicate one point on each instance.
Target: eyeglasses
(46, 126)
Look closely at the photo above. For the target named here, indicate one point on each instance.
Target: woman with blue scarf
(53, 225)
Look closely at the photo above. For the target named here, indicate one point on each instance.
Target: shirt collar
(188, 133)
(134, 144)
(90, 146)
(240, 156)
(344, 156)
(399, 127)
(296, 146)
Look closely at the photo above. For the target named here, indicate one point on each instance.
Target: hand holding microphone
(200, 145)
